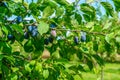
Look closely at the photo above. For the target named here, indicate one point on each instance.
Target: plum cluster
(52, 34)
(83, 38)
(32, 31)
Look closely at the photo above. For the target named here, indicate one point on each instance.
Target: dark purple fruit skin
(26, 35)
(50, 39)
(83, 38)
(30, 28)
(19, 19)
(10, 37)
(46, 41)
(34, 33)
(52, 25)
(76, 40)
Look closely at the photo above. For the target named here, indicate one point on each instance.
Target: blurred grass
(111, 72)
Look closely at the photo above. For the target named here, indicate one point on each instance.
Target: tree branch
(94, 33)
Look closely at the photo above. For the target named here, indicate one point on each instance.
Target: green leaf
(34, 9)
(27, 68)
(48, 11)
(14, 69)
(90, 64)
(59, 11)
(118, 39)
(39, 44)
(62, 2)
(89, 25)
(13, 76)
(78, 17)
(10, 59)
(95, 46)
(5, 69)
(5, 30)
(86, 8)
(28, 46)
(43, 27)
(99, 60)
(77, 77)
(32, 6)
(80, 54)
(86, 17)
(107, 25)
(56, 54)
(6, 48)
(117, 5)
(52, 4)
(45, 74)
(108, 47)
(1, 33)
(17, 28)
(108, 7)
(97, 28)
(109, 37)
(38, 67)
(1, 57)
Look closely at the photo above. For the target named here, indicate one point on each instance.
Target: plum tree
(45, 51)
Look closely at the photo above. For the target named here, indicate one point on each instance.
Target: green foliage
(108, 7)
(116, 3)
(64, 57)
